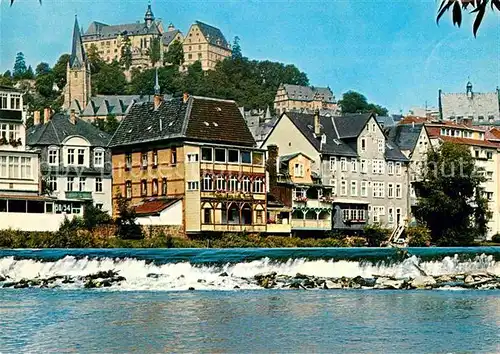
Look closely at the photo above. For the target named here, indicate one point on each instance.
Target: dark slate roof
(306, 93)
(77, 58)
(9, 89)
(104, 31)
(213, 35)
(341, 133)
(60, 128)
(405, 136)
(169, 36)
(385, 121)
(200, 118)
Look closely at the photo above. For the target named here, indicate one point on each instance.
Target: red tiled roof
(413, 119)
(495, 133)
(154, 206)
(473, 142)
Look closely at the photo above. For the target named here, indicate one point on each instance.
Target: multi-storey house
(354, 170)
(485, 153)
(19, 180)
(206, 44)
(305, 98)
(75, 162)
(192, 162)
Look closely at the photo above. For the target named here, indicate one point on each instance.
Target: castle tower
(149, 17)
(78, 85)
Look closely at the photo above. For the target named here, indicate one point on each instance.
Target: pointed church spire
(157, 84)
(77, 58)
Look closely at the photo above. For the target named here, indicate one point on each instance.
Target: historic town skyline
(394, 60)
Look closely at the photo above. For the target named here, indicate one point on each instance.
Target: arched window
(207, 183)
(233, 184)
(221, 183)
(245, 184)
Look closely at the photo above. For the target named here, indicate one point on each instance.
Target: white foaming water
(181, 276)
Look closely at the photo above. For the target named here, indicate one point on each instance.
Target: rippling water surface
(141, 316)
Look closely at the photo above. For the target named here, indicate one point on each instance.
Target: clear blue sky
(391, 51)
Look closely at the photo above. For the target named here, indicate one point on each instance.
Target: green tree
(126, 53)
(6, 79)
(93, 217)
(449, 198)
(175, 54)
(236, 50)
(19, 67)
(42, 69)
(59, 71)
(29, 74)
(108, 125)
(110, 80)
(154, 50)
(355, 102)
(126, 222)
(94, 59)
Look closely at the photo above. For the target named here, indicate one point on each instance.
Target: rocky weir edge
(272, 280)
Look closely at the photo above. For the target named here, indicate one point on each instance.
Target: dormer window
(71, 156)
(81, 156)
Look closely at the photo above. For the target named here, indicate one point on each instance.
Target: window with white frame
(343, 164)
(246, 157)
(233, 156)
(81, 185)
(333, 163)
(364, 189)
(377, 212)
(245, 184)
(390, 215)
(373, 127)
(298, 170)
(144, 160)
(128, 189)
(3, 167)
(398, 191)
(53, 156)
(26, 167)
(354, 165)
(378, 189)
(98, 158)
(354, 188)
(192, 185)
(220, 155)
(71, 156)
(14, 171)
(390, 167)
(207, 183)
(380, 144)
(390, 190)
(381, 167)
(52, 183)
(14, 131)
(220, 182)
(258, 185)
(343, 188)
(81, 156)
(206, 154)
(4, 130)
(192, 158)
(98, 184)
(3, 100)
(15, 101)
(154, 187)
(333, 184)
(70, 184)
(233, 184)
(364, 166)
(398, 168)
(363, 144)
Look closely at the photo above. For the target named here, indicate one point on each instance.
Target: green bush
(375, 235)
(418, 236)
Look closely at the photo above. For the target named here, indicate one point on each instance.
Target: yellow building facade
(304, 98)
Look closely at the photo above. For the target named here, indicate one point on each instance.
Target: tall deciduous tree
(59, 71)
(175, 54)
(449, 198)
(94, 59)
(355, 102)
(110, 80)
(126, 53)
(154, 51)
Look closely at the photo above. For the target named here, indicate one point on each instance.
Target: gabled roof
(154, 206)
(60, 128)
(340, 134)
(213, 35)
(405, 136)
(200, 119)
(104, 31)
(169, 36)
(306, 93)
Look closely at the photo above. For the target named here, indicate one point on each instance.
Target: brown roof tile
(154, 206)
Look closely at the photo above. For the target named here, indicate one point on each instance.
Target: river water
(158, 314)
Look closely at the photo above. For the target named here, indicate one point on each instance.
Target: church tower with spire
(78, 85)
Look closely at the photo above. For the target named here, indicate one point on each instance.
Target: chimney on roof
(72, 116)
(185, 97)
(47, 114)
(317, 127)
(36, 117)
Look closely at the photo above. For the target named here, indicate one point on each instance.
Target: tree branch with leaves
(478, 7)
